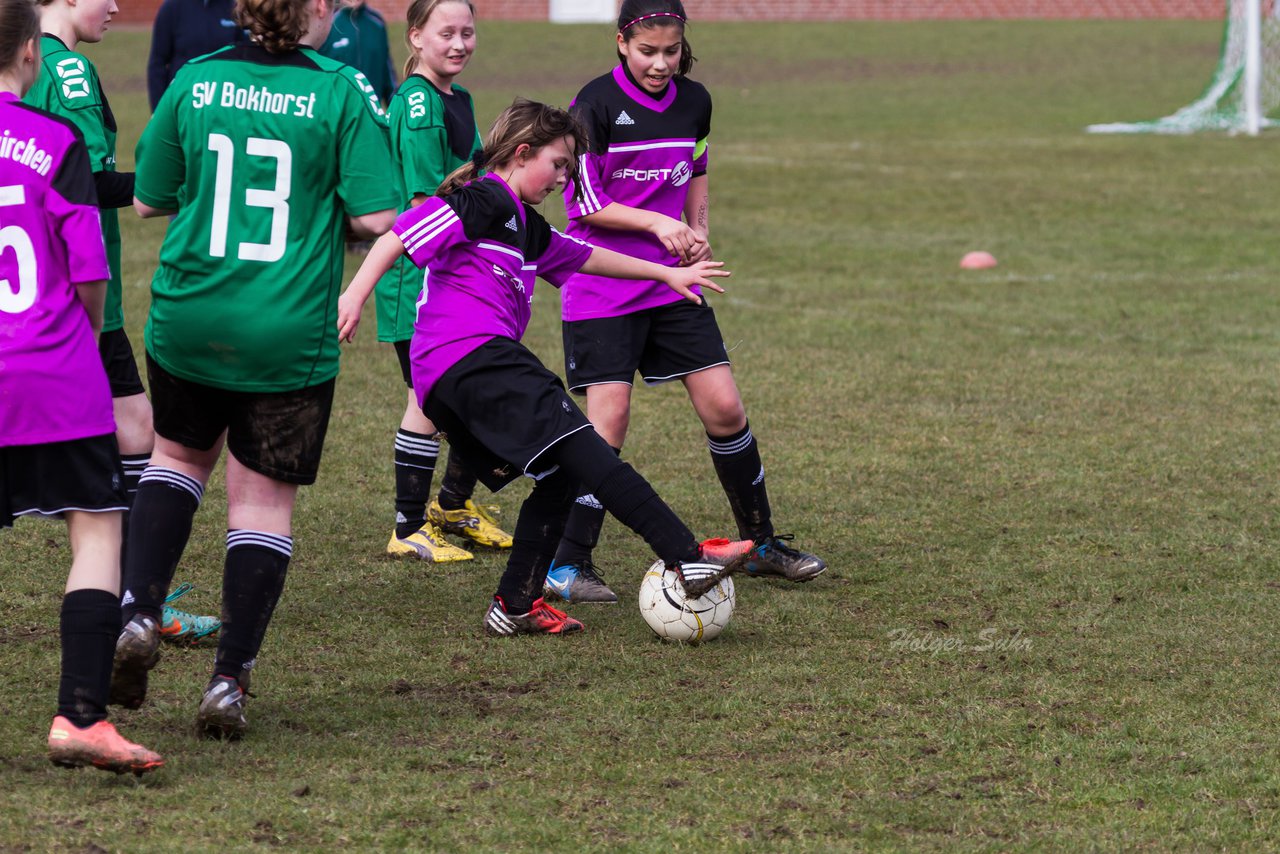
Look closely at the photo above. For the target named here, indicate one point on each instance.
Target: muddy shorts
(277, 433)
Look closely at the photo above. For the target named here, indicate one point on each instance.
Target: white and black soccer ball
(674, 616)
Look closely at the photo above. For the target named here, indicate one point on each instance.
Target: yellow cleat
(475, 522)
(427, 543)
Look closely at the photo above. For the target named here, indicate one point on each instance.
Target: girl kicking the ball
(500, 407)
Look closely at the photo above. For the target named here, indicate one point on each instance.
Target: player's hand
(678, 238)
(349, 310)
(701, 252)
(683, 279)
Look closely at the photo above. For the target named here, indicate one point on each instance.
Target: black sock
(90, 622)
(459, 483)
(134, 465)
(415, 465)
(582, 531)
(159, 527)
(737, 462)
(252, 582)
(534, 540)
(625, 494)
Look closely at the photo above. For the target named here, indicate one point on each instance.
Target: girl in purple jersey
(58, 454)
(499, 406)
(641, 189)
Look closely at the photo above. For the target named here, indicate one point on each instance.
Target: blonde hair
(525, 122)
(416, 17)
(277, 25)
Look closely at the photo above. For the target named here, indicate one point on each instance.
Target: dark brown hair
(525, 122)
(19, 24)
(648, 14)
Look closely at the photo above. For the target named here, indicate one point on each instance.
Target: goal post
(1244, 94)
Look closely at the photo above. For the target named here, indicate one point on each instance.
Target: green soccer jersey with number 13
(262, 155)
(68, 86)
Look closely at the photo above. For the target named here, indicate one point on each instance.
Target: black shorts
(277, 433)
(80, 474)
(122, 368)
(500, 409)
(402, 353)
(663, 344)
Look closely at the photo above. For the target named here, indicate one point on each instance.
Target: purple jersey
(484, 247)
(53, 387)
(643, 152)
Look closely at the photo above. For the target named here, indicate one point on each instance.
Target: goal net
(1244, 94)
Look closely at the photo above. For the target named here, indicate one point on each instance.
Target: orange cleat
(100, 746)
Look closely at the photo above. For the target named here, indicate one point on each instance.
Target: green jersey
(68, 86)
(432, 134)
(262, 156)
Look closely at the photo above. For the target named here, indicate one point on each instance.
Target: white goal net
(1244, 94)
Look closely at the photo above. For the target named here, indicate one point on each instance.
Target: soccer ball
(674, 616)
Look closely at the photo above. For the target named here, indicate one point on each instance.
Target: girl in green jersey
(265, 152)
(433, 132)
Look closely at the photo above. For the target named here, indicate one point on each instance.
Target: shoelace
(488, 512)
(589, 570)
(779, 542)
(555, 612)
(182, 590)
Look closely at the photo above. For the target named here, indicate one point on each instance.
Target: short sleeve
(443, 222)
(563, 257)
(70, 88)
(161, 162)
(420, 140)
(700, 151)
(73, 206)
(364, 176)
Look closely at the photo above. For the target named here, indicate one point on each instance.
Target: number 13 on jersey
(275, 200)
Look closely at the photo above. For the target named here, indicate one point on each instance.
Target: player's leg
(259, 548)
(89, 621)
(735, 454)
(190, 423)
(601, 356)
(135, 433)
(84, 474)
(454, 511)
(417, 447)
(274, 445)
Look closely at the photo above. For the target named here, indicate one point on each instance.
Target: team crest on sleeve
(73, 77)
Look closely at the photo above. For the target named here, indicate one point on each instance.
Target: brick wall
(142, 11)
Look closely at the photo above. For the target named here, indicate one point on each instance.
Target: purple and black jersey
(643, 151)
(52, 384)
(484, 248)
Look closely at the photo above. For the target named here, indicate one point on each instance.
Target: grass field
(1047, 493)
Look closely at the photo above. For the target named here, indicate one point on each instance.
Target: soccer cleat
(771, 556)
(137, 651)
(475, 522)
(98, 745)
(722, 550)
(221, 713)
(579, 583)
(541, 619)
(183, 628)
(427, 543)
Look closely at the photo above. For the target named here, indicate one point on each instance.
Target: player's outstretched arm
(381, 258)
(678, 238)
(606, 262)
